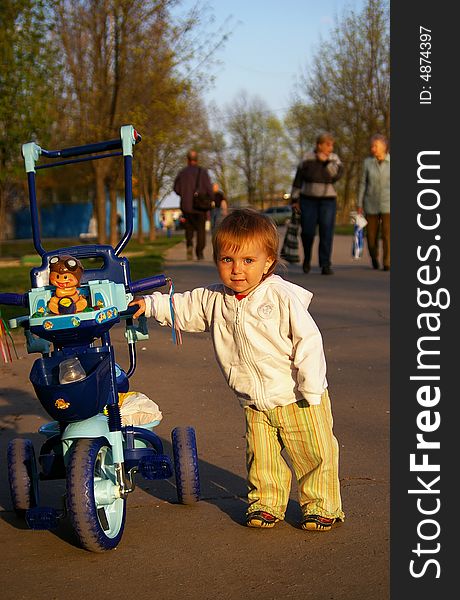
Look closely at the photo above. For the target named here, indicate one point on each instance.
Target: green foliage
(301, 129)
(347, 91)
(344, 229)
(21, 248)
(72, 71)
(27, 79)
(257, 150)
(29, 88)
(17, 280)
(152, 260)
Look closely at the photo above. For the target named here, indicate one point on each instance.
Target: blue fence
(56, 221)
(70, 220)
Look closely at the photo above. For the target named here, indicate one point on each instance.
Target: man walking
(190, 179)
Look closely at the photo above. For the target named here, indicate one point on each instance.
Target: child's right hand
(140, 302)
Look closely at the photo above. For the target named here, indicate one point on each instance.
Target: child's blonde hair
(245, 225)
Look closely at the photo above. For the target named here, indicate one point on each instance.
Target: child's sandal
(261, 518)
(317, 523)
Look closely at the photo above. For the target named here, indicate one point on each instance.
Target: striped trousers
(305, 432)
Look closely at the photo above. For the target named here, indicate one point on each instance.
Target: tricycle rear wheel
(186, 464)
(22, 475)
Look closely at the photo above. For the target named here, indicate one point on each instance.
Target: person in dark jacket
(314, 195)
(190, 179)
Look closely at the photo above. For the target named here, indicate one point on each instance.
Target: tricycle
(71, 310)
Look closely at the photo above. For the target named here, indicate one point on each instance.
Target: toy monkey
(65, 275)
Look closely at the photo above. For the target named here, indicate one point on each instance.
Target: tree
(177, 125)
(348, 87)
(256, 148)
(218, 152)
(174, 116)
(275, 173)
(96, 36)
(300, 128)
(168, 110)
(28, 83)
(131, 61)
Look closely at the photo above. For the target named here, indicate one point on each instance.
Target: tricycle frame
(89, 409)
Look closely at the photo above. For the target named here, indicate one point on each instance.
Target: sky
(271, 44)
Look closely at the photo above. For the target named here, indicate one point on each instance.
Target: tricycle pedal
(52, 466)
(155, 466)
(43, 517)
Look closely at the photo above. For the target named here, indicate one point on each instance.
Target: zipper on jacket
(246, 348)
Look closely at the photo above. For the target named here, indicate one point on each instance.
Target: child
(271, 354)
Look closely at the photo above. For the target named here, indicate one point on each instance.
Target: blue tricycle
(78, 380)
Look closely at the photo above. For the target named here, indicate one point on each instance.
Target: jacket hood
(302, 294)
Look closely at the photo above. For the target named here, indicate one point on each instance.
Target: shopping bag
(290, 248)
(137, 409)
(359, 223)
(358, 242)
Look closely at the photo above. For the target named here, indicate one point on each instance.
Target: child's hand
(140, 302)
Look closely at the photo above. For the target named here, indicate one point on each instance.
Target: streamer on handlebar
(176, 332)
(4, 346)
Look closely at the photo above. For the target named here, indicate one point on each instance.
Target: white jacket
(267, 345)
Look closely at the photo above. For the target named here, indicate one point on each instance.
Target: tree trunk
(140, 237)
(152, 230)
(100, 202)
(150, 206)
(2, 216)
(343, 216)
(114, 235)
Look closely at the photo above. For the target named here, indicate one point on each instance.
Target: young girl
(271, 354)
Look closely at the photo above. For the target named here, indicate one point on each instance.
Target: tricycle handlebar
(129, 312)
(12, 299)
(147, 283)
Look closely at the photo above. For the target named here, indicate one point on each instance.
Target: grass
(17, 278)
(344, 229)
(19, 248)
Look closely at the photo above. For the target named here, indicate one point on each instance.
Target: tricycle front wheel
(96, 511)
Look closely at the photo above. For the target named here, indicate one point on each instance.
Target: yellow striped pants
(305, 432)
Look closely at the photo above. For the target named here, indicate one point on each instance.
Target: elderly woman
(374, 199)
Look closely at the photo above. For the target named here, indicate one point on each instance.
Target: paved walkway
(204, 551)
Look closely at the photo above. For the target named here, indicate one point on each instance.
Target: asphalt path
(170, 551)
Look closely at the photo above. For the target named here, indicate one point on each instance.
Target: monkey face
(65, 271)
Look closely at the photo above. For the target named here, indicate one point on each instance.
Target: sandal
(317, 523)
(261, 518)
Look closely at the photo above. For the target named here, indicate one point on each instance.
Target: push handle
(12, 299)
(130, 310)
(88, 251)
(128, 138)
(32, 152)
(147, 283)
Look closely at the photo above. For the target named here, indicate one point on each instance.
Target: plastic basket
(74, 401)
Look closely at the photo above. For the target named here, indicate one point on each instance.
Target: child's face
(242, 270)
